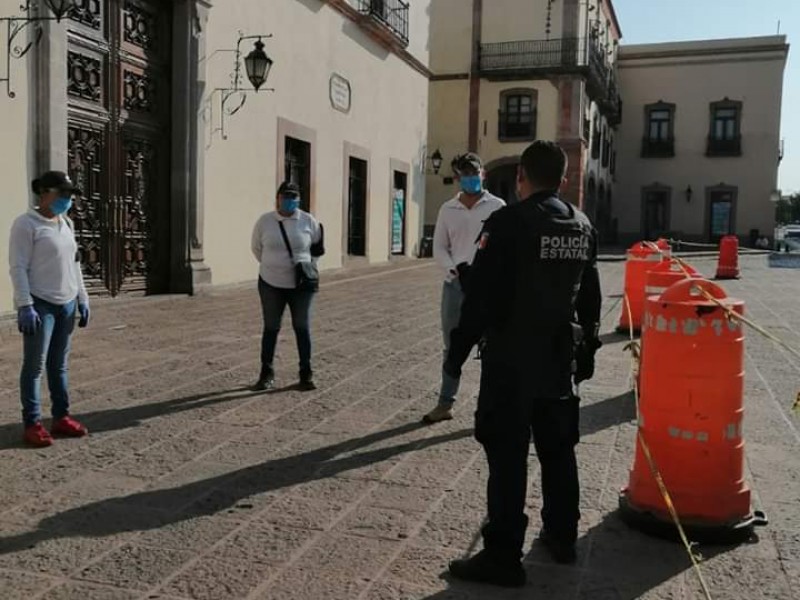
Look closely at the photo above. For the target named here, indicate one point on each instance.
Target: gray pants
(452, 297)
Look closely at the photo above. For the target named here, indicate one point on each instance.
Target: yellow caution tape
(733, 315)
(690, 546)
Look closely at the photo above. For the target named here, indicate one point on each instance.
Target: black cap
(467, 162)
(287, 188)
(54, 180)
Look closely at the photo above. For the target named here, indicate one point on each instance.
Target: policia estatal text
(533, 305)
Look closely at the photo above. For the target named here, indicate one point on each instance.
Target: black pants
(504, 423)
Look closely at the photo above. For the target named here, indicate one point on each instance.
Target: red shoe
(36, 435)
(69, 427)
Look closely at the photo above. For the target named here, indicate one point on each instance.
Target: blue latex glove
(83, 311)
(28, 320)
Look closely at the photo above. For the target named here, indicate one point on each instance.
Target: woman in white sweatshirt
(281, 239)
(48, 293)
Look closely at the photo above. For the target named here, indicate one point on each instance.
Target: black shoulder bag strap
(286, 240)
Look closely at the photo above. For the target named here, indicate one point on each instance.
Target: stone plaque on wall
(340, 93)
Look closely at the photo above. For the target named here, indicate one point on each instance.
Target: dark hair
(544, 164)
(287, 188)
(469, 162)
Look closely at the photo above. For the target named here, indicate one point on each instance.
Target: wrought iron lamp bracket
(236, 79)
(15, 26)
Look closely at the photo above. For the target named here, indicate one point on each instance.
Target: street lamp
(59, 7)
(257, 64)
(16, 25)
(436, 161)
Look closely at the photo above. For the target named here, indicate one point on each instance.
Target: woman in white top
(48, 292)
(277, 282)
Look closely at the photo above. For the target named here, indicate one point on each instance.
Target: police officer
(534, 306)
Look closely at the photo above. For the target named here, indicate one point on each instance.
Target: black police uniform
(534, 272)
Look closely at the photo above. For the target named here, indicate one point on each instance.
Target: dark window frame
(725, 145)
(506, 117)
(661, 146)
(597, 136)
(646, 191)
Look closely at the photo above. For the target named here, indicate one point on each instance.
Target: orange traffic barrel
(664, 274)
(657, 280)
(728, 266)
(690, 416)
(641, 258)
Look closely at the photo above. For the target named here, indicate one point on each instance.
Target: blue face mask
(471, 184)
(289, 204)
(61, 205)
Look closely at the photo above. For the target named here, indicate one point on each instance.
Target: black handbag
(306, 272)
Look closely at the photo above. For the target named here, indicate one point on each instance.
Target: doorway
(655, 213)
(357, 208)
(118, 135)
(502, 182)
(399, 190)
(297, 168)
(721, 205)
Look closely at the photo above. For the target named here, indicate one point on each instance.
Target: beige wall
(489, 146)
(449, 129)
(16, 150)
(692, 75)
(450, 36)
(388, 118)
(513, 20)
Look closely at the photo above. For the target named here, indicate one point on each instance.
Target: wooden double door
(118, 89)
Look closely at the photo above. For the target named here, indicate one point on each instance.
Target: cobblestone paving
(190, 486)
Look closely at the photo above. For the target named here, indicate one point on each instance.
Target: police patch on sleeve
(564, 247)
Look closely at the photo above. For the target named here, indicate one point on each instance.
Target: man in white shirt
(454, 245)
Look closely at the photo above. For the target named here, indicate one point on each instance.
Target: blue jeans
(273, 303)
(452, 297)
(47, 348)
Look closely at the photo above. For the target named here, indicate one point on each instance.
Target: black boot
(266, 380)
(483, 568)
(562, 551)
(306, 381)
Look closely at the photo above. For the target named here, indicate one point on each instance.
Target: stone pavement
(192, 487)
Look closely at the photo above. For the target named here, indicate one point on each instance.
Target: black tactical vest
(552, 243)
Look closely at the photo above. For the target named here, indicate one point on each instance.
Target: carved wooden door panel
(119, 145)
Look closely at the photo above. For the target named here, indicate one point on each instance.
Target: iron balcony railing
(562, 56)
(392, 14)
(658, 148)
(724, 147)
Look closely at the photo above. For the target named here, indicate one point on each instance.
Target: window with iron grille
(606, 147)
(596, 138)
(659, 137)
(724, 137)
(517, 115)
(392, 14)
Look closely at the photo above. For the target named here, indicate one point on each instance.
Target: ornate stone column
(189, 271)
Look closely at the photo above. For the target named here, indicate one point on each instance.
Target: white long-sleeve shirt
(457, 230)
(41, 257)
(276, 266)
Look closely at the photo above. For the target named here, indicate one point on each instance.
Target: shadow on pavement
(615, 562)
(151, 509)
(597, 416)
(612, 337)
(113, 419)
